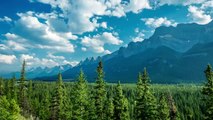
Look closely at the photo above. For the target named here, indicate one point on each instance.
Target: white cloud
(84, 49)
(94, 44)
(73, 63)
(139, 37)
(198, 15)
(179, 2)
(97, 42)
(110, 38)
(7, 59)
(137, 6)
(15, 42)
(157, 22)
(207, 4)
(5, 19)
(39, 35)
(104, 25)
(80, 14)
(107, 52)
(33, 61)
(55, 57)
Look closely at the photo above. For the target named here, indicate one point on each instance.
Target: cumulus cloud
(73, 63)
(5, 19)
(137, 6)
(179, 2)
(55, 56)
(30, 32)
(104, 25)
(97, 42)
(139, 37)
(198, 15)
(80, 14)
(7, 59)
(33, 61)
(157, 22)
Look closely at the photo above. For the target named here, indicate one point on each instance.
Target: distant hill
(171, 55)
(41, 72)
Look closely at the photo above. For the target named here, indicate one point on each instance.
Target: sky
(48, 33)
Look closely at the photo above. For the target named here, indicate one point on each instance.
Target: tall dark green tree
(146, 106)
(163, 108)
(80, 98)
(121, 110)
(44, 109)
(23, 101)
(13, 90)
(207, 92)
(100, 92)
(59, 106)
(109, 108)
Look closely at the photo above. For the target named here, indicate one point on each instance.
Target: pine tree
(23, 101)
(174, 115)
(138, 100)
(121, 111)
(207, 91)
(60, 106)
(9, 110)
(80, 98)
(163, 108)
(92, 112)
(12, 86)
(44, 111)
(100, 92)
(109, 109)
(30, 89)
(146, 106)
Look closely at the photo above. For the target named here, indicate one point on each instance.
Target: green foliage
(146, 106)
(80, 98)
(109, 109)
(207, 91)
(121, 111)
(60, 106)
(174, 115)
(23, 101)
(9, 109)
(163, 108)
(1, 87)
(83, 101)
(100, 92)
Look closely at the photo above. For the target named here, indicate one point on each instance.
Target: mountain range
(171, 55)
(41, 72)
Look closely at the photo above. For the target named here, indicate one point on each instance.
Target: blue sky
(53, 32)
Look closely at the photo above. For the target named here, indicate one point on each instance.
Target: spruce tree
(100, 92)
(109, 108)
(163, 108)
(23, 101)
(146, 106)
(80, 98)
(207, 92)
(13, 90)
(60, 106)
(44, 110)
(121, 111)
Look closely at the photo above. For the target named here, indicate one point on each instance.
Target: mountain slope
(171, 55)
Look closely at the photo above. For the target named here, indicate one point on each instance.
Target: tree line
(23, 99)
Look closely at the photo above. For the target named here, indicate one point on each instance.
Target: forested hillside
(23, 99)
